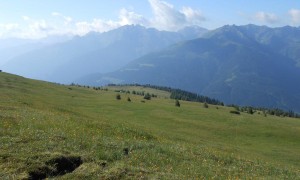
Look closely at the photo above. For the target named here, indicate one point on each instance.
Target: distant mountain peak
(230, 33)
(193, 27)
(92, 53)
(190, 32)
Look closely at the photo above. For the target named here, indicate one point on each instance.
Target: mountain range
(95, 52)
(244, 65)
(14, 47)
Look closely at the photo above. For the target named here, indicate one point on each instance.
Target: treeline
(179, 94)
(188, 96)
(140, 93)
(83, 86)
(265, 111)
(168, 89)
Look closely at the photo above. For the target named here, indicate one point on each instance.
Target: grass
(159, 93)
(40, 121)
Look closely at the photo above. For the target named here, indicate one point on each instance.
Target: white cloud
(129, 17)
(97, 25)
(40, 26)
(36, 29)
(67, 19)
(55, 14)
(295, 16)
(9, 27)
(264, 17)
(193, 16)
(126, 17)
(25, 18)
(165, 17)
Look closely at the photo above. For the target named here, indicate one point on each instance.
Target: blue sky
(40, 18)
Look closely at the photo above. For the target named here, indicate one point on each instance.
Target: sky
(42, 18)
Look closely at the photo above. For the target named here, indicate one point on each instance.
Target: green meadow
(118, 139)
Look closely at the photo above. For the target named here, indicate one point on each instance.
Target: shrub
(147, 96)
(205, 105)
(118, 97)
(128, 99)
(177, 103)
(265, 114)
(250, 110)
(235, 112)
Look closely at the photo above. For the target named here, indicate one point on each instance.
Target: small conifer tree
(205, 105)
(147, 96)
(177, 103)
(118, 97)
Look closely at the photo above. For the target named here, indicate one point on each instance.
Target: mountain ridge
(226, 64)
(95, 52)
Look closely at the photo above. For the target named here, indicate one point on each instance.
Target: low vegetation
(172, 93)
(205, 105)
(118, 97)
(43, 124)
(266, 111)
(147, 96)
(235, 112)
(179, 94)
(177, 103)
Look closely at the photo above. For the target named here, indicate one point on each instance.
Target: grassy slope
(159, 93)
(40, 120)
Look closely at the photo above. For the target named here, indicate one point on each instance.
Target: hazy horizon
(34, 19)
